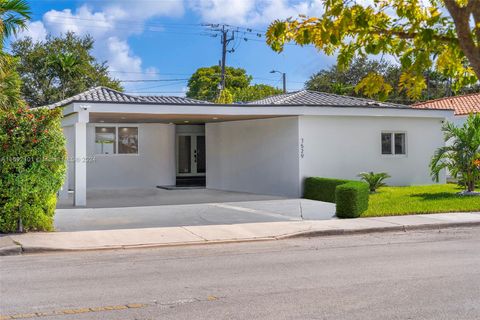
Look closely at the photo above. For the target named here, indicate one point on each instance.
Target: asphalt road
(414, 275)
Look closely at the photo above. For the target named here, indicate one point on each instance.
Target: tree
(224, 97)
(422, 35)
(346, 81)
(461, 154)
(59, 67)
(255, 92)
(14, 15)
(204, 85)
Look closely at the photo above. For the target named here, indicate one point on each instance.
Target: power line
(152, 80)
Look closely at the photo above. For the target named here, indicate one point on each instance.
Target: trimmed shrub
(32, 168)
(321, 189)
(351, 199)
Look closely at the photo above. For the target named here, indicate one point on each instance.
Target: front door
(191, 159)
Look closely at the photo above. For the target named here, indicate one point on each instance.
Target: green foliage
(9, 83)
(32, 167)
(14, 15)
(254, 92)
(321, 189)
(225, 97)
(351, 199)
(422, 35)
(461, 153)
(374, 180)
(59, 67)
(204, 85)
(389, 201)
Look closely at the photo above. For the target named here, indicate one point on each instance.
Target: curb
(11, 250)
(404, 228)
(16, 250)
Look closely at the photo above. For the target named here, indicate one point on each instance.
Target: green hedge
(351, 197)
(32, 168)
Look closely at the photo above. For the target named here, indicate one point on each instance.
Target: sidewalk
(156, 237)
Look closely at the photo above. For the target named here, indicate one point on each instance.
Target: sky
(169, 39)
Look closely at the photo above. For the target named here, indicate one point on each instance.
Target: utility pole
(225, 40)
(227, 34)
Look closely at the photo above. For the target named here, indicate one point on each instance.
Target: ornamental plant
(460, 154)
(32, 168)
(374, 180)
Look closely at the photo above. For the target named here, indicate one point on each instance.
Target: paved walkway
(202, 214)
(187, 235)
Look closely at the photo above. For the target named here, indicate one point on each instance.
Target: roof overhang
(116, 112)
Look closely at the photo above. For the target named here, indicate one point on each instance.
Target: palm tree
(9, 83)
(14, 15)
(460, 155)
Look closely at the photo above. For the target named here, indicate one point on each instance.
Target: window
(393, 143)
(105, 140)
(116, 140)
(127, 140)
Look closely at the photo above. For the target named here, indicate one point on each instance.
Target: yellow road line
(73, 311)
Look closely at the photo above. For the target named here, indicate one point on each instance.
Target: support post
(80, 163)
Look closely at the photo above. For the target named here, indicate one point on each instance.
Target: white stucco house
(115, 140)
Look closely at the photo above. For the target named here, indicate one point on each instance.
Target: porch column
(63, 192)
(80, 129)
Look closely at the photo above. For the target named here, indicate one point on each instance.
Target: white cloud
(253, 12)
(35, 30)
(110, 25)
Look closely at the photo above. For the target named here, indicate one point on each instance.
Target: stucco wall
(341, 147)
(69, 134)
(257, 156)
(154, 165)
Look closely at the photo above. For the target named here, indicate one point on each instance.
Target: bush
(32, 168)
(351, 197)
(321, 189)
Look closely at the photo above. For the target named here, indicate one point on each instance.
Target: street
(412, 275)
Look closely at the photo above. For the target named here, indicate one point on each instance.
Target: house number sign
(302, 148)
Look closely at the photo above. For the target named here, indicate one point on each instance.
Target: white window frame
(393, 154)
(116, 126)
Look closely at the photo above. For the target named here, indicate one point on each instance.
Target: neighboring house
(462, 105)
(267, 146)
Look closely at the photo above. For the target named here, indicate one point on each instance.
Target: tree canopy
(204, 85)
(59, 67)
(443, 35)
(345, 81)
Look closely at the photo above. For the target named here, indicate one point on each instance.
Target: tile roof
(172, 100)
(107, 95)
(463, 105)
(315, 98)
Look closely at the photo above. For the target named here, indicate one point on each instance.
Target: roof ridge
(446, 98)
(288, 96)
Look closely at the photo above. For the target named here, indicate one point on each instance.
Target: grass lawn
(390, 201)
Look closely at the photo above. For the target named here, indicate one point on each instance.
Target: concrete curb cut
(9, 247)
(15, 250)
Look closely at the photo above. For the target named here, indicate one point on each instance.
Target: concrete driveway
(153, 208)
